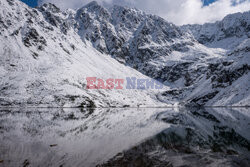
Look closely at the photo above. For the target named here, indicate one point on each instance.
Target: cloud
(178, 11)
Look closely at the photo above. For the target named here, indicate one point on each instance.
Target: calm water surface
(125, 137)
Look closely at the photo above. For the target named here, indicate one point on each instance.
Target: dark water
(125, 137)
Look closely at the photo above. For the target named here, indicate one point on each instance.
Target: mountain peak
(92, 4)
(98, 11)
(126, 9)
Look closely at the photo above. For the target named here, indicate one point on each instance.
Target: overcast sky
(177, 11)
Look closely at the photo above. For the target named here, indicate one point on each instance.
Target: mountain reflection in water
(125, 137)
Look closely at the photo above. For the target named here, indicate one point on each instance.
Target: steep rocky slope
(44, 63)
(199, 64)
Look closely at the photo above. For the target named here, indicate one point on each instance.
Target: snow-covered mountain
(46, 64)
(46, 55)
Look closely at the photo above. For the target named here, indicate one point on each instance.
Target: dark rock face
(32, 38)
(222, 77)
(175, 72)
(200, 101)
